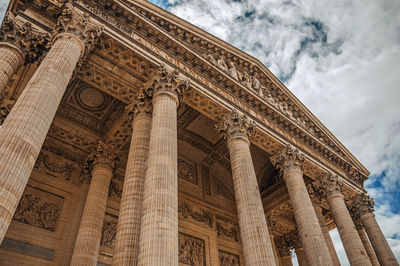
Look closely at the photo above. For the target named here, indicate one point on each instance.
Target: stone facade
(109, 153)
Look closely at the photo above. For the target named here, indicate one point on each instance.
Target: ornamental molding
(72, 21)
(290, 158)
(361, 205)
(141, 106)
(166, 80)
(188, 49)
(316, 192)
(29, 41)
(235, 125)
(104, 156)
(332, 184)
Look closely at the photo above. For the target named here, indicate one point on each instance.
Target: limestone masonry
(130, 137)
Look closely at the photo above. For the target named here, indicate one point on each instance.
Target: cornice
(185, 47)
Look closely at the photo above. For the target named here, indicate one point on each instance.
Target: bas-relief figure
(191, 250)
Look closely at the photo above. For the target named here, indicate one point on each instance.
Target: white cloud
(341, 59)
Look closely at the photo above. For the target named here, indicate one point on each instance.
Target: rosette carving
(288, 159)
(78, 23)
(29, 41)
(104, 155)
(332, 184)
(142, 105)
(166, 80)
(236, 125)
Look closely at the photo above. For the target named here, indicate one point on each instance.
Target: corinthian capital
(167, 81)
(332, 184)
(104, 155)
(72, 21)
(316, 193)
(26, 39)
(235, 125)
(362, 204)
(289, 158)
(141, 105)
(283, 246)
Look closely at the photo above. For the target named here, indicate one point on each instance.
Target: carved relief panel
(39, 208)
(192, 250)
(228, 259)
(109, 231)
(187, 171)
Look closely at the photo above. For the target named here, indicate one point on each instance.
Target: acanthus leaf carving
(236, 125)
(289, 158)
(204, 217)
(332, 184)
(78, 24)
(362, 204)
(105, 155)
(142, 105)
(166, 80)
(29, 41)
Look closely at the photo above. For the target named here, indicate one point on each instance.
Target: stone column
(19, 43)
(363, 206)
(290, 162)
(294, 241)
(316, 195)
(284, 251)
(158, 244)
(130, 212)
(24, 130)
(352, 244)
(100, 164)
(257, 246)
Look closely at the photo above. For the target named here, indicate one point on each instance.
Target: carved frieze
(109, 231)
(47, 165)
(227, 231)
(204, 216)
(39, 208)
(187, 171)
(228, 259)
(191, 250)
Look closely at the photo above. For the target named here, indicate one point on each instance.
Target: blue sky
(341, 59)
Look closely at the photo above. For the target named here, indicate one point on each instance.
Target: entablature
(282, 116)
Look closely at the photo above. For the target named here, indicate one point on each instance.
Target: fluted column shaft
(130, 213)
(382, 249)
(325, 232)
(290, 161)
(368, 247)
(24, 130)
(352, 244)
(257, 247)
(11, 59)
(256, 242)
(158, 244)
(87, 242)
(301, 257)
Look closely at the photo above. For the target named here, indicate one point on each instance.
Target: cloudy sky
(341, 59)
